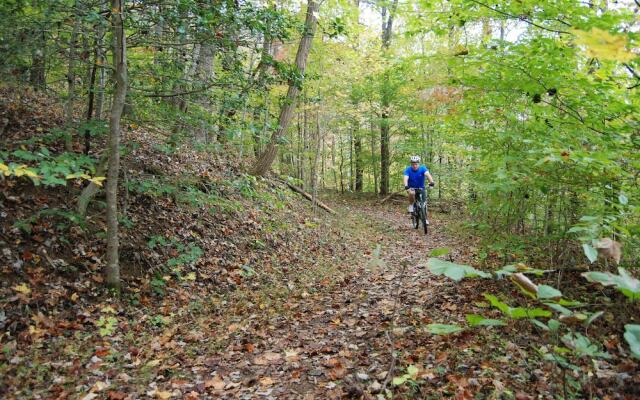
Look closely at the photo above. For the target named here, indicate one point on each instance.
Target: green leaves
(517, 312)
(590, 252)
(479, 320)
(439, 252)
(454, 271)
(443, 329)
(412, 374)
(632, 336)
(548, 292)
(582, 346)
(625, 283)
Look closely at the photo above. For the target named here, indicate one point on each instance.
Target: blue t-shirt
(416, 178)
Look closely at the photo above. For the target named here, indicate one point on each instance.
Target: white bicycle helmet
(414, 159)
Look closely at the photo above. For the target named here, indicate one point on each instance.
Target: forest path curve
(338, 339)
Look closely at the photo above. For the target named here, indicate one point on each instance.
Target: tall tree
(385, 156)
(112, 272)
(265, 160)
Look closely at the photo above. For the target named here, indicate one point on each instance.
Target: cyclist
(414, 179)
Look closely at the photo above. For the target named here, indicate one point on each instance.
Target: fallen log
(310, 198)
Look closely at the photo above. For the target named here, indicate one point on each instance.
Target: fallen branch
(390, 196)
(310, 198)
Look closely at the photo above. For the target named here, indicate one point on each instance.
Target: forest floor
(234, 289)
(339, 327)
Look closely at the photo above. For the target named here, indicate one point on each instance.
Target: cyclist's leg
(412, 199)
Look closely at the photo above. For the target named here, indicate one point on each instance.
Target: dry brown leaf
(525, 284)
(609, 248)
(114, 395)
(163, 394)
(291, 355)
(338, 372)
(267, 358)
(266, 381)
(216, 382)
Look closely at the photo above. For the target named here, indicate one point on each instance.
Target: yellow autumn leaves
(604, 45)
(20, 170)
(24, 170)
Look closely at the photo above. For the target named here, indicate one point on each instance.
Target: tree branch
(521, 18)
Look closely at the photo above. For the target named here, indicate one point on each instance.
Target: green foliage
(188, 256)
(411, 375)
(158, 285)
(582, 346)
(439, 252)
(624, 282)
(548, 292)
(454, 271)
(443, 329)
(48, 169)
(632, 336)
(107, 325)
(479, 320)
(517, 312)
(62, 218)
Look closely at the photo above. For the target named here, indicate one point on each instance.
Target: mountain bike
(419, 213)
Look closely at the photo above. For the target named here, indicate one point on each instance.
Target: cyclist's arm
(406, 180)
(429, 177)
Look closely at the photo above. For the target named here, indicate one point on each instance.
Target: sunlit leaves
(604, 45)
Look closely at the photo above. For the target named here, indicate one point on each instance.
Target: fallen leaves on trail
(267, 358)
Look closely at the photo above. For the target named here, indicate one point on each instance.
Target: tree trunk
(89, 192)
(359, 164)
(204, 73)
(92, 85)
(112, 272)
(101, 61)
(71, 84)
(263, 164)
(37, 71)
(373, 156)
(351, 161)
(314, 166)
(385, 157)
(341, 167)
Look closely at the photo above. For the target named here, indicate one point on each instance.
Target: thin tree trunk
(263, 164)
(314, 166)
(333, 162)
(204, 73)
(71, 84)
(89, 192)
(112, 272)
(385, 157)
(101, 61)
(357, 145)
(351, 162)
(373, 156)
(92, 85)
(38, 62)
(341, 168)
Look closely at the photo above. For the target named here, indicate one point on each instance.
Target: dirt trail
(338, 341)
